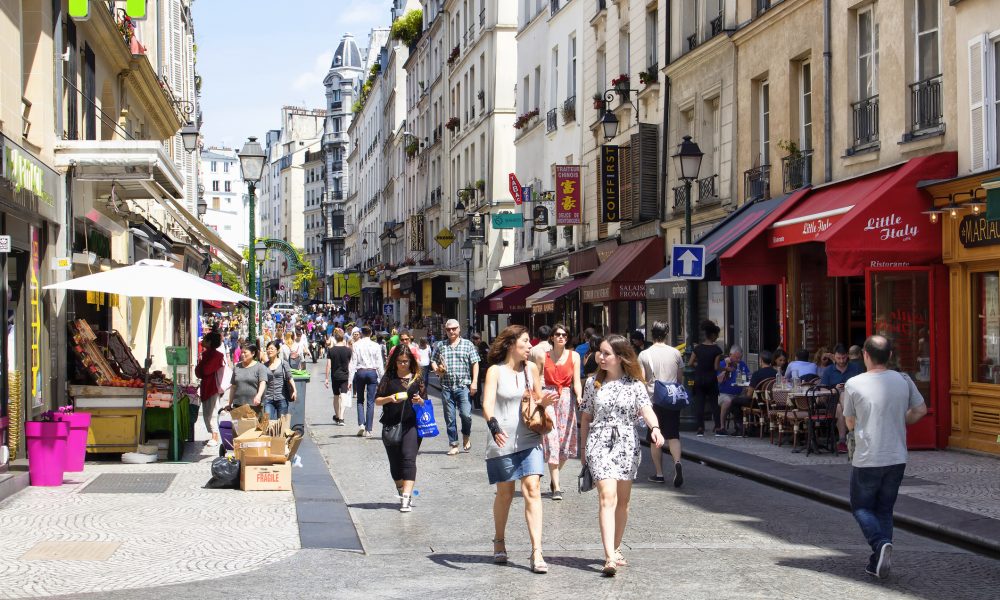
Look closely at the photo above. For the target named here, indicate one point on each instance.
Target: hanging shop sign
(515, 189)
(477, 227)
(31, 184)
(508, 221)
(610, 172)
(445, 237)
(569, 209)
(977, 230)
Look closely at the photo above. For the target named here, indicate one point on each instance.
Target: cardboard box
(241, 426)
(273, 478)
(162, 446)
(253, 444)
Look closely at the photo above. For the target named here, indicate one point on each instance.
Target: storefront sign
(515, 189)
(543, 307)
(569, 208)
(36, 319)
(477, 228)
(452, 290)
(614, 291)
(977, 230)
(445, 237)
(610, 209)
(25, 172)
(801, 231)
(508, 221)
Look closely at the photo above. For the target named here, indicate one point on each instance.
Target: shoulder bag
(392, 435)
(533, 414)
(287, 390)
(585, 481)
(670, 396)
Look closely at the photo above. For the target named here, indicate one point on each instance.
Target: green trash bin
(297, 409)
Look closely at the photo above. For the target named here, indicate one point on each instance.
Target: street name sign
(687, 261)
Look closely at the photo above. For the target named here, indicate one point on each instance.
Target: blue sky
(256, 56)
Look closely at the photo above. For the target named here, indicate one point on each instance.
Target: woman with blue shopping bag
(399, 393)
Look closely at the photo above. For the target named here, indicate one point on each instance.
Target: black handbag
(585, 481)
(392, 435)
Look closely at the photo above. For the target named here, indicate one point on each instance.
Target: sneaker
(884, 561)
(368, 434)
(212, 443)
(721, 433)
(339, 422)
(361, 431)
(557, 495)
(404, 504)
(700, 433)
(841, 447)
(453, 451)
(655, 479)
(678, 475)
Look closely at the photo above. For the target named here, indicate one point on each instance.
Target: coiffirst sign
(80, 9)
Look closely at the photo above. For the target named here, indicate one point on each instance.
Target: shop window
(986, 327)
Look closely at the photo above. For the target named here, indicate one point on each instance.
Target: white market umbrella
(151, 279)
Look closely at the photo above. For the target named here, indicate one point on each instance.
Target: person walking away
(613, 400)
(365, 371)
(210, 369)
(456, 362)
(400, 388)
(836, 376)
(561, 374)
(513, 452)
(542, 348)
(285, 342)
(638, 340)
(734, 377)
(878, 405)
(277, 396)
(338, 370)
(250, 379)
(483, 348)
(424, 358)
(661, 362)
(705, 359)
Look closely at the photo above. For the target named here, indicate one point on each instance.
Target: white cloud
(313, 78)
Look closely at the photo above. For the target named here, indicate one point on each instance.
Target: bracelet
(654, 427)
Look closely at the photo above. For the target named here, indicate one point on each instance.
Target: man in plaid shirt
(456, 361)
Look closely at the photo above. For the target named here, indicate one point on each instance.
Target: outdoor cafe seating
(804, 409)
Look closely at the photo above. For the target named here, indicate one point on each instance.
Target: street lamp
(259, 254)
(467, 249)
(252, 166)
(610, 124)
(460, 210)
(189, 136)
(687, 163)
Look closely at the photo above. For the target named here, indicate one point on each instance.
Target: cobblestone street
(720, 536)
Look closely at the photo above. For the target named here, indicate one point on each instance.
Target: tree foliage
(229, 278)
(407, 29)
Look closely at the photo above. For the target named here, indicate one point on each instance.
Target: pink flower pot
(46, 444)
(76, 444)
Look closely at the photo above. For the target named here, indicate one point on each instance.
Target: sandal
(538, 566)
(620, 558)
(610, 569)
(499, 556)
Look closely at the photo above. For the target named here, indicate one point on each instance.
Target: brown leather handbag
(533, 414)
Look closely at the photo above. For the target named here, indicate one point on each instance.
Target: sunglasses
(560, 334)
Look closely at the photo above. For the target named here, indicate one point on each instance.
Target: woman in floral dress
(613, 400)
(561, 371)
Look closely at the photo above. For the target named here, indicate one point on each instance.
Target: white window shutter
(978, 103)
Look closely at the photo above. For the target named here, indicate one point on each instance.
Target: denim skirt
(513, 467)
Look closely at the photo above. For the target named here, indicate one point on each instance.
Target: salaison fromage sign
(614, 291)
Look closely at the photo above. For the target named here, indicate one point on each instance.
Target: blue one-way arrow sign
(687, 261)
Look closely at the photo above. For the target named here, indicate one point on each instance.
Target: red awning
(508, 299)
(623, 276)
(869, 221)
(547, 303)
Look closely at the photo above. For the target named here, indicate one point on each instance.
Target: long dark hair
(503, 342)
(626, 353)
(392, 373)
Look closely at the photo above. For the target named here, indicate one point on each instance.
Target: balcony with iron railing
(337, 195)
(554, 7)
(692, 41)
(762, 6)
(569, 109)
(551, 122)
(716, 25)
(796, 170)
(680, 197)
(757, 183)
(865, 121)
(482, 17)
(338, 165)
(925, 105)
(707, 192)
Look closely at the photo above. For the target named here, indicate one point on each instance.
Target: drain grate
(130, 483)
(71, 551)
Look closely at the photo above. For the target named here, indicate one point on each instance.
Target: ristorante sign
(976, 230)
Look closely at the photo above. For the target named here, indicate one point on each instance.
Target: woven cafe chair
(756, 413)
(822, 405)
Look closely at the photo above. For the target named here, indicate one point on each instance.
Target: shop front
(508, 305)
(856, 258)
(614, 295)
(971, 252)
(555, 272)
(29, 199)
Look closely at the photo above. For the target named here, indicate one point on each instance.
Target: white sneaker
(212, 443)
(404, 504)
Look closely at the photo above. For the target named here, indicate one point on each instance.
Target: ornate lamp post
(252, 165)
(467, 249)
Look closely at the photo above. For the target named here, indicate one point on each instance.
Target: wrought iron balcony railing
(707, 193)
(925, 104)
(551, 122)
(757, 183)
(796, 170)
(865, 117)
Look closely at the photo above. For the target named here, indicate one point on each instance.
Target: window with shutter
(978, 103)
(645, 202)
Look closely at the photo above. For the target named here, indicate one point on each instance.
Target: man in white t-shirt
(878, 405)
(661, 362)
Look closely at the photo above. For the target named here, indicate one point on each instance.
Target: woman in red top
(562, 375)
(208, 370)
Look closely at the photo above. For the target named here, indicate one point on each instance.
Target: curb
(953, 525)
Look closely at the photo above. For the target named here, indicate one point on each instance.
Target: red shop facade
(855, 258)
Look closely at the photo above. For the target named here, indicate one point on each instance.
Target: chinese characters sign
(610, 169)
(569, 209)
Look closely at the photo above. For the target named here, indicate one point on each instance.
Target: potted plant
(464, 195)
(412, 148)
(455, 53)
(598, 101)
(621, 83)
(648, 77)
(481, 185)
(46, 443)
(409, 262)
(568, 112)
(426, 261)
(453, 124)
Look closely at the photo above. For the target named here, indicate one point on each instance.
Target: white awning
(124, 163)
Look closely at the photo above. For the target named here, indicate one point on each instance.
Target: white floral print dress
(612, 446)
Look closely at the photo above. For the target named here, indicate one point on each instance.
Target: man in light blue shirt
(801, 365)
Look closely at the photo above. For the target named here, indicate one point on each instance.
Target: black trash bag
(225, 474)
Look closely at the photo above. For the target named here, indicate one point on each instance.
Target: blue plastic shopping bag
(426, 425)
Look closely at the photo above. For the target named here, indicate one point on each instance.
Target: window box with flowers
(621, 84)
(524, 120)
(409, 262)
(598, 101)
(412, 148)
(455, 53)
(481, 185)
(453, 124)
(649, 76)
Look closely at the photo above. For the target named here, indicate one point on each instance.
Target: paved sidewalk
(945, 493)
